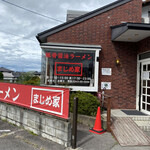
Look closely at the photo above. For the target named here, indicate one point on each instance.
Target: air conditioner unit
(145, 20)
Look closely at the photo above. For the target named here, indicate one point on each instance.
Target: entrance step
(128, 133)
(143, 121)
(143, 124)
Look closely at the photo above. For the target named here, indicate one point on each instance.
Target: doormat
(133, 112)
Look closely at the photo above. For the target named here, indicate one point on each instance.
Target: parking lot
(15, 138)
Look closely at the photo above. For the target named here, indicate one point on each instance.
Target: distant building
(36, 73)
(16, 75)
(7, 74)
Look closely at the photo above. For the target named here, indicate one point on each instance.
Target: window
(74, 68)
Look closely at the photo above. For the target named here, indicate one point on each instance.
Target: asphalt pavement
(91, 141)
(16, 138)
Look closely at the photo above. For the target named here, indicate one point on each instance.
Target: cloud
(23, 53)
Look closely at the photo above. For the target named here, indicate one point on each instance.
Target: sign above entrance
(73, 66)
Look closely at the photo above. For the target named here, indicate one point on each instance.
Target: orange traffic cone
(97, 127)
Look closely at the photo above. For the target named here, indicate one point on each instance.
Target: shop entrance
(145, 87)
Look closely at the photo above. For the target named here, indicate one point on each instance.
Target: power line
(6, 32)
(32, 11)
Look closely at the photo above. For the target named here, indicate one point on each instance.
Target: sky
(19, 48)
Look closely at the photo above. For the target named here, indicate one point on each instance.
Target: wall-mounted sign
(54, 101)
(75, 68)
(106, 85)
(106, 71)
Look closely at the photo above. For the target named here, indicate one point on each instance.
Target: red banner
(54, 101)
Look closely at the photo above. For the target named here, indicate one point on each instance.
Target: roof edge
(42, 37)
(70, 45)
(118, 30)
(134, 25)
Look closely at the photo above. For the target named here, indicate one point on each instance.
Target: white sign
(106, 85)
(106, 71)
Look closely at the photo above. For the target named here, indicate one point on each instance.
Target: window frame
(79, 48)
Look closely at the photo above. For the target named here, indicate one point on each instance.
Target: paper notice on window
(145, 75)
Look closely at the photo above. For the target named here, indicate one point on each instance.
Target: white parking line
(5, 131)
(6, 134)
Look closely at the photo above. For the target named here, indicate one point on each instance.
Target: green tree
(1, 76)
(33, 81)
(26, 76)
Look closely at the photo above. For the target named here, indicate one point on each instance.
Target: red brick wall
(144, 45)
(97, 31)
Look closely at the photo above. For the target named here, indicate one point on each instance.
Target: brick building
(106, 48)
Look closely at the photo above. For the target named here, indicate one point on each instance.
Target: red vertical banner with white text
(54, 101)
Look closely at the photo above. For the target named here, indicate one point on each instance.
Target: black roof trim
(141, 26)
(42, 37)
(121, 28)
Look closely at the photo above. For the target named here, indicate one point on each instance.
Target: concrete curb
(90, 121)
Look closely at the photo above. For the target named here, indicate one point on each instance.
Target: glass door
(145, 87)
